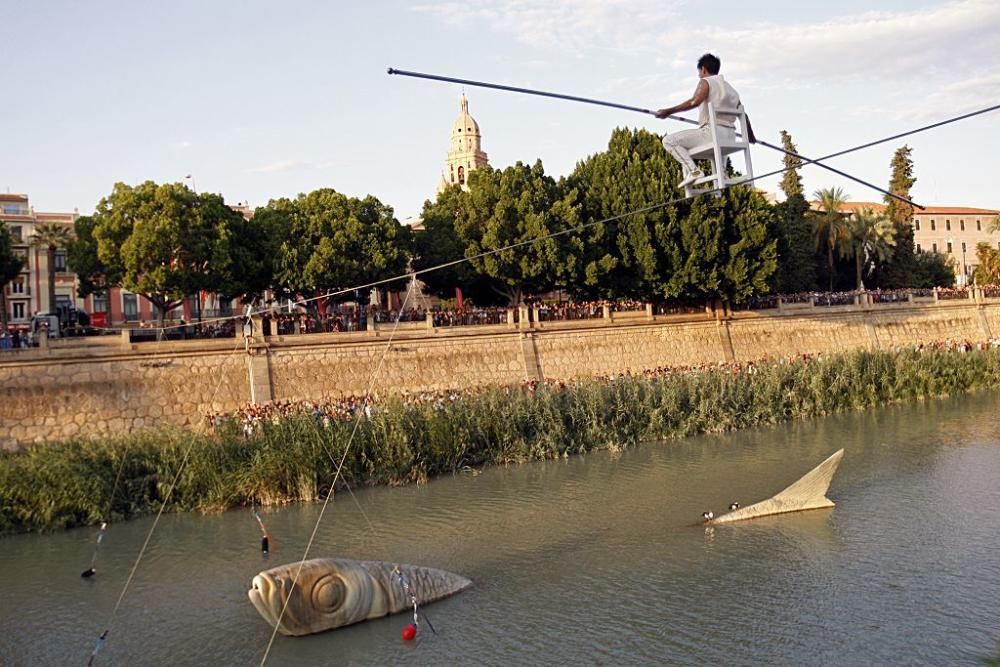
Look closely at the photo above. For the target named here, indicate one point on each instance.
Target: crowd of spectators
(455, 317)
(570, 310)
(949, 293)
(14, 338)
(834, 298)
(890, 295)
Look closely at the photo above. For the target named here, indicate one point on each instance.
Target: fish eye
(328, 593)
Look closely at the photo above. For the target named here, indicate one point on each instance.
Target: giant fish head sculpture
(333, 592)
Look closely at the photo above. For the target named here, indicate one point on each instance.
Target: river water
(591, 560)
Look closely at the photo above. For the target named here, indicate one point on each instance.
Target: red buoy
(409, 632)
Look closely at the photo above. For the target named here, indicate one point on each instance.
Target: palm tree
(830, 228)
(51, 236)
(988, 270)
(871, 236)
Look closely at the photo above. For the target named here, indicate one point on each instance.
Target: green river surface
(596, 559)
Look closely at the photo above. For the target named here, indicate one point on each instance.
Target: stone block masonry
(101, 390)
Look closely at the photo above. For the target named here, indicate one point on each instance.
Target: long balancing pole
(626, 107)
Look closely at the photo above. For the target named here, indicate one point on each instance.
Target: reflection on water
(594, 560)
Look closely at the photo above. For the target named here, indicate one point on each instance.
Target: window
(225, 305)
(17, 311)
(14, 209)
(918, 248)
(99, 303)
(461, 175)
(949, 247)
(947, 225)
(979, 226)
(17, 287)
(916, 224)
(60, 259)
(961, 225)
(934, 247)
(130, 307)
(63, 303)
(16, 233)
(932, 225)
(963, 246)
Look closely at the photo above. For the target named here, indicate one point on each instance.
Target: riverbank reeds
(70, 483)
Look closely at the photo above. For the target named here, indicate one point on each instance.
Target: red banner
(99, 320)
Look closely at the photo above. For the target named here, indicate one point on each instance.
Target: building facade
(466, 153)
(28, 294)
(955, 231)
(952, 230)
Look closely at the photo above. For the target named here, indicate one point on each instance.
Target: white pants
(679, 143)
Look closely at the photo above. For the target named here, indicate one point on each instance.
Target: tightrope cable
(582, 226)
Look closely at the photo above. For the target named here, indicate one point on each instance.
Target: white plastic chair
(717, 150)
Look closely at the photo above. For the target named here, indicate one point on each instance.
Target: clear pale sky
(267, 99)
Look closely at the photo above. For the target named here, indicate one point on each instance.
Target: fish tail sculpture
(808, 493)
(334, 592)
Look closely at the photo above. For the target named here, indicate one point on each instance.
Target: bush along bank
(70, 483)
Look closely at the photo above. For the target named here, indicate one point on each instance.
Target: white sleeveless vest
(721, 95)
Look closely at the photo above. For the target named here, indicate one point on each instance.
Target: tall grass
(70, 483)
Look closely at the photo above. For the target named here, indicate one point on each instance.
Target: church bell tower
(465, 154)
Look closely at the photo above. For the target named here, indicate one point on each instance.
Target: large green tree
(162, 241)
(325, 241)
(621, 257)
(900, 270)
(520, 205)
(51, 237)
(722, 248)
(796, 253)
(933, 269)
(438, 243)
(655, 244)
(11, 264)
(92, 273)
(830, 227)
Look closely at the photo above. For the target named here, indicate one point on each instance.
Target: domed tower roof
(465, 125)
(466, 152)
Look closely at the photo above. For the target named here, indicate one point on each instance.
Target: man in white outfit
(711, 88)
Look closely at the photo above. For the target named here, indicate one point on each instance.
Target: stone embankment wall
(106, 387)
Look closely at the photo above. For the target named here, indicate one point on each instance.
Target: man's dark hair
(710, 62)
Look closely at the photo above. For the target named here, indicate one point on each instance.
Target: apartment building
(952, 230)
(29, 292)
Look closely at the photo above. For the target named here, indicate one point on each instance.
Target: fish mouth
(262, 594)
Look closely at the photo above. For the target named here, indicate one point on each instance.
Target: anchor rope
(336, 476)
(149, 535)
